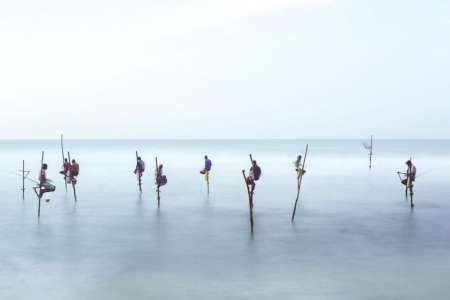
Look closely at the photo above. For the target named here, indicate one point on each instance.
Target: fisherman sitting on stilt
(299, 167)
(161, 179)
(74, 171)
(410, 175)
(44, 184)
(207, 167)
(255, 174)
(66, 167)
(140, 167)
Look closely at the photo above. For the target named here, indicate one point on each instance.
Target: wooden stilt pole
(72, 181)
(371, 152)
(138, 174)
(299, 184)
(250, 200)
(409, 184)
(40, 185)
(207, 181)
(23, 179)
(156, 181)
(251, 192)
(62, 152)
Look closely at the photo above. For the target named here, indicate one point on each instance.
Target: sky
(224, 69)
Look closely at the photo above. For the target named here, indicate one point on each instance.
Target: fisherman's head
(206, 156)
(65, 159)
(299, 158)
(44, 166)
(73, 161)
(409, 163)
(138, 158)
(160, 166)
(254, 162)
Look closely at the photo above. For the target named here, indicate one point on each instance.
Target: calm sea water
(355, 236)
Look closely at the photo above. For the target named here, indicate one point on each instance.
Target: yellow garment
(299, 169)
(206, 175)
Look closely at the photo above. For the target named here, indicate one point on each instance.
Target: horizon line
(222, 139)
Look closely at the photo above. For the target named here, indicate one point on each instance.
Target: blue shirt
(140, 166)
(208, 164)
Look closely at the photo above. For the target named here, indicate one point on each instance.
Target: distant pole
(62, 152)
(371, 152)
(299, 184)
(72, 181)
(156, 180)
(250, 200)
(138, 173)
(407, 181)
(23, 179)
(409, 184)
(40, 185)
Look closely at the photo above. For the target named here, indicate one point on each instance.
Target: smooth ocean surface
(355, 236)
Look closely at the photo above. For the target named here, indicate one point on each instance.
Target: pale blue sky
(225, 69)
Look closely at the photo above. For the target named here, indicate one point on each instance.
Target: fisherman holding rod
(410, 175)
(44, 184)
(408, 180)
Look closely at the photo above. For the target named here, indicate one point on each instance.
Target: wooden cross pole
(299, 184)
(156, 180)
(62, 152)
(72, 180)
(138, 173)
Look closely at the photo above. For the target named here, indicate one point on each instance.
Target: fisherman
(410, 174)
(299, 167)
(255, 174)
(44, 184)
(66, 167)
(207, 167)
(140, 167)
(161, 179)
(74, 171)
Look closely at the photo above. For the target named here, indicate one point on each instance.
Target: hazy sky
(225, 68)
